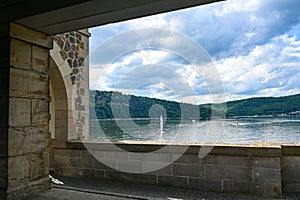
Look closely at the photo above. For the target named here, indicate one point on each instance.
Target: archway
(70, 83)
(58, 125)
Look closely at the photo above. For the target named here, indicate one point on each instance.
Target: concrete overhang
(59, 16)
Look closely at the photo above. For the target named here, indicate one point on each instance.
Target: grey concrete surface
(90, 189)
(65, 194)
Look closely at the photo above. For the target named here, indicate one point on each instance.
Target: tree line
(109, 105)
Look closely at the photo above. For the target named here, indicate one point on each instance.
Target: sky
(246, 48)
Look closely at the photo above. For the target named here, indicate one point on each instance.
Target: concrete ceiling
(59, 16)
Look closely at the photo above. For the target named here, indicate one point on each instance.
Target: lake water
(238, 130)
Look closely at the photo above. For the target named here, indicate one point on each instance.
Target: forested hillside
(264, 106)
(101, 103)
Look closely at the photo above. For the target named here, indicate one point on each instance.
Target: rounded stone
(75, 71)
(75, 63)
(72, 40)
(60, 43)
(63, 54)
(67, 47)
(70, 62)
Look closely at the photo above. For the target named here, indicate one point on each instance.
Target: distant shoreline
(232, 117)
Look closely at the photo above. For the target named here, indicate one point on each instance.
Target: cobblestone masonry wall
(256, 170)
(28, 115)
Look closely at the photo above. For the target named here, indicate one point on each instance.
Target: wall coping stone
(291, 149)
(246, 150)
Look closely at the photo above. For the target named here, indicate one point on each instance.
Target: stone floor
(87, 189)
(66, 194)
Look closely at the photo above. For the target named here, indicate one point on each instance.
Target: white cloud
(232, 6)
(267, 70)
(255, 45)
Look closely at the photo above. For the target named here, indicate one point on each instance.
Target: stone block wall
(291, 168)
(24, 112)
(232, 169)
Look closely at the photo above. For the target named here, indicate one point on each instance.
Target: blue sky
(253, 44)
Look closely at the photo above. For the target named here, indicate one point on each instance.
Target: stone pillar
(69, 73)
(24, 111)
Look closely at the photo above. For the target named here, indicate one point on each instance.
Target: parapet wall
(290, 168)
(263, 171)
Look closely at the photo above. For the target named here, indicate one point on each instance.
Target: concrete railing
(242, 169)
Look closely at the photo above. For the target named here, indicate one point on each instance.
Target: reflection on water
(238, 130)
